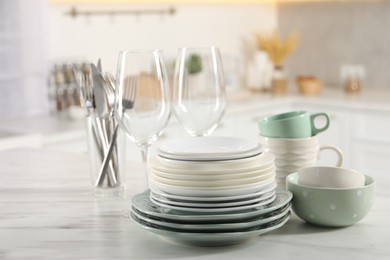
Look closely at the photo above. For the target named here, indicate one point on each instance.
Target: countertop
(368, 99)
(48, 212)
(238, 101)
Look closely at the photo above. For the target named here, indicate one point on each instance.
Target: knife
(101, 101)
(99, 66)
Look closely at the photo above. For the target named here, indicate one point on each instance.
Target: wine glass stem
(145, 159)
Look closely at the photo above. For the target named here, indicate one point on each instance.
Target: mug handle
(314, 129)
(336, 150)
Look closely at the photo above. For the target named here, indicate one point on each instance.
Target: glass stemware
(199, 98)
(142, 98)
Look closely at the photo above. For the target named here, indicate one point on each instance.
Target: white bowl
(330, 177)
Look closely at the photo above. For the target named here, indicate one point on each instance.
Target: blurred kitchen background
(40, 39)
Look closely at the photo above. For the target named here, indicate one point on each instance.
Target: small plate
(199, 204)
(225, 198)
(209, 148)
(257, 162)
(214, 210)
(142, 203)
(210, 239)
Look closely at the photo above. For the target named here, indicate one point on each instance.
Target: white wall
(23, 57)
(333, 35)
(225, 26)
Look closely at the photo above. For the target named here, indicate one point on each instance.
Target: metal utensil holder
(106, 155)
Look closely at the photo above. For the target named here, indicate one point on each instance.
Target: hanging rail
(74, 12)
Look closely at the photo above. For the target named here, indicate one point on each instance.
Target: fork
(128, 97)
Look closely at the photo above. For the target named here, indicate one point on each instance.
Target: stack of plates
(211, 191)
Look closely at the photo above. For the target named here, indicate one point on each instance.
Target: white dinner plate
(225, 198)
(213, 204)
(216, 227)
(214, 210)
(174, 166)
(210, 239)
(210, 191)
(212, 183)
(209, 148)
(193, 176)
(143, 204)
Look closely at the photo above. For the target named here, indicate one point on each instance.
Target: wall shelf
(74, 12)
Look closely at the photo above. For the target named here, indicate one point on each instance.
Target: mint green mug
(295, 124)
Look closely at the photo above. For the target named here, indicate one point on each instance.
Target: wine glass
(142, 98)
(199, 98)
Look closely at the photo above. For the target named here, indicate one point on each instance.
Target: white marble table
(47, 212)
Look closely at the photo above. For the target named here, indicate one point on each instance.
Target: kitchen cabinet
(370, 143)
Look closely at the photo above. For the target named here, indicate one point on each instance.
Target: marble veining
(47, 212)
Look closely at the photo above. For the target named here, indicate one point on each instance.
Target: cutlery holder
(106, 155)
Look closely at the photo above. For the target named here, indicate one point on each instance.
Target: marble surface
(48, 212)
(368, 99)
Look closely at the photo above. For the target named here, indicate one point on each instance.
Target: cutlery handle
(106, 160)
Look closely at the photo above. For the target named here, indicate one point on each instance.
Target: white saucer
(209, 148)
(257, 162)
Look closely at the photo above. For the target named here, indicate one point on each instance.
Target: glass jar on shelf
(279, 81)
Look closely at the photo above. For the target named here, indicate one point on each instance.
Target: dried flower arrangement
(275, 47)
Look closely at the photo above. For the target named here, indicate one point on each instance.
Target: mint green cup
(331, 207)
(295, 124)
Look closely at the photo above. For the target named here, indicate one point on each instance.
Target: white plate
(143, 204)
(211, 239)
(254, 163)
(210, 191)
(212, 183)
(193, 176)
(213, 204)
(209, 148)
(216, 227)
(265, 189)
(214, 210)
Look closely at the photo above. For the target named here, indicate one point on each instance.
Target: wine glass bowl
(142, 100)
(199, 100)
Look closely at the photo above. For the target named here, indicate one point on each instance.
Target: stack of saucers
(211, 191)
